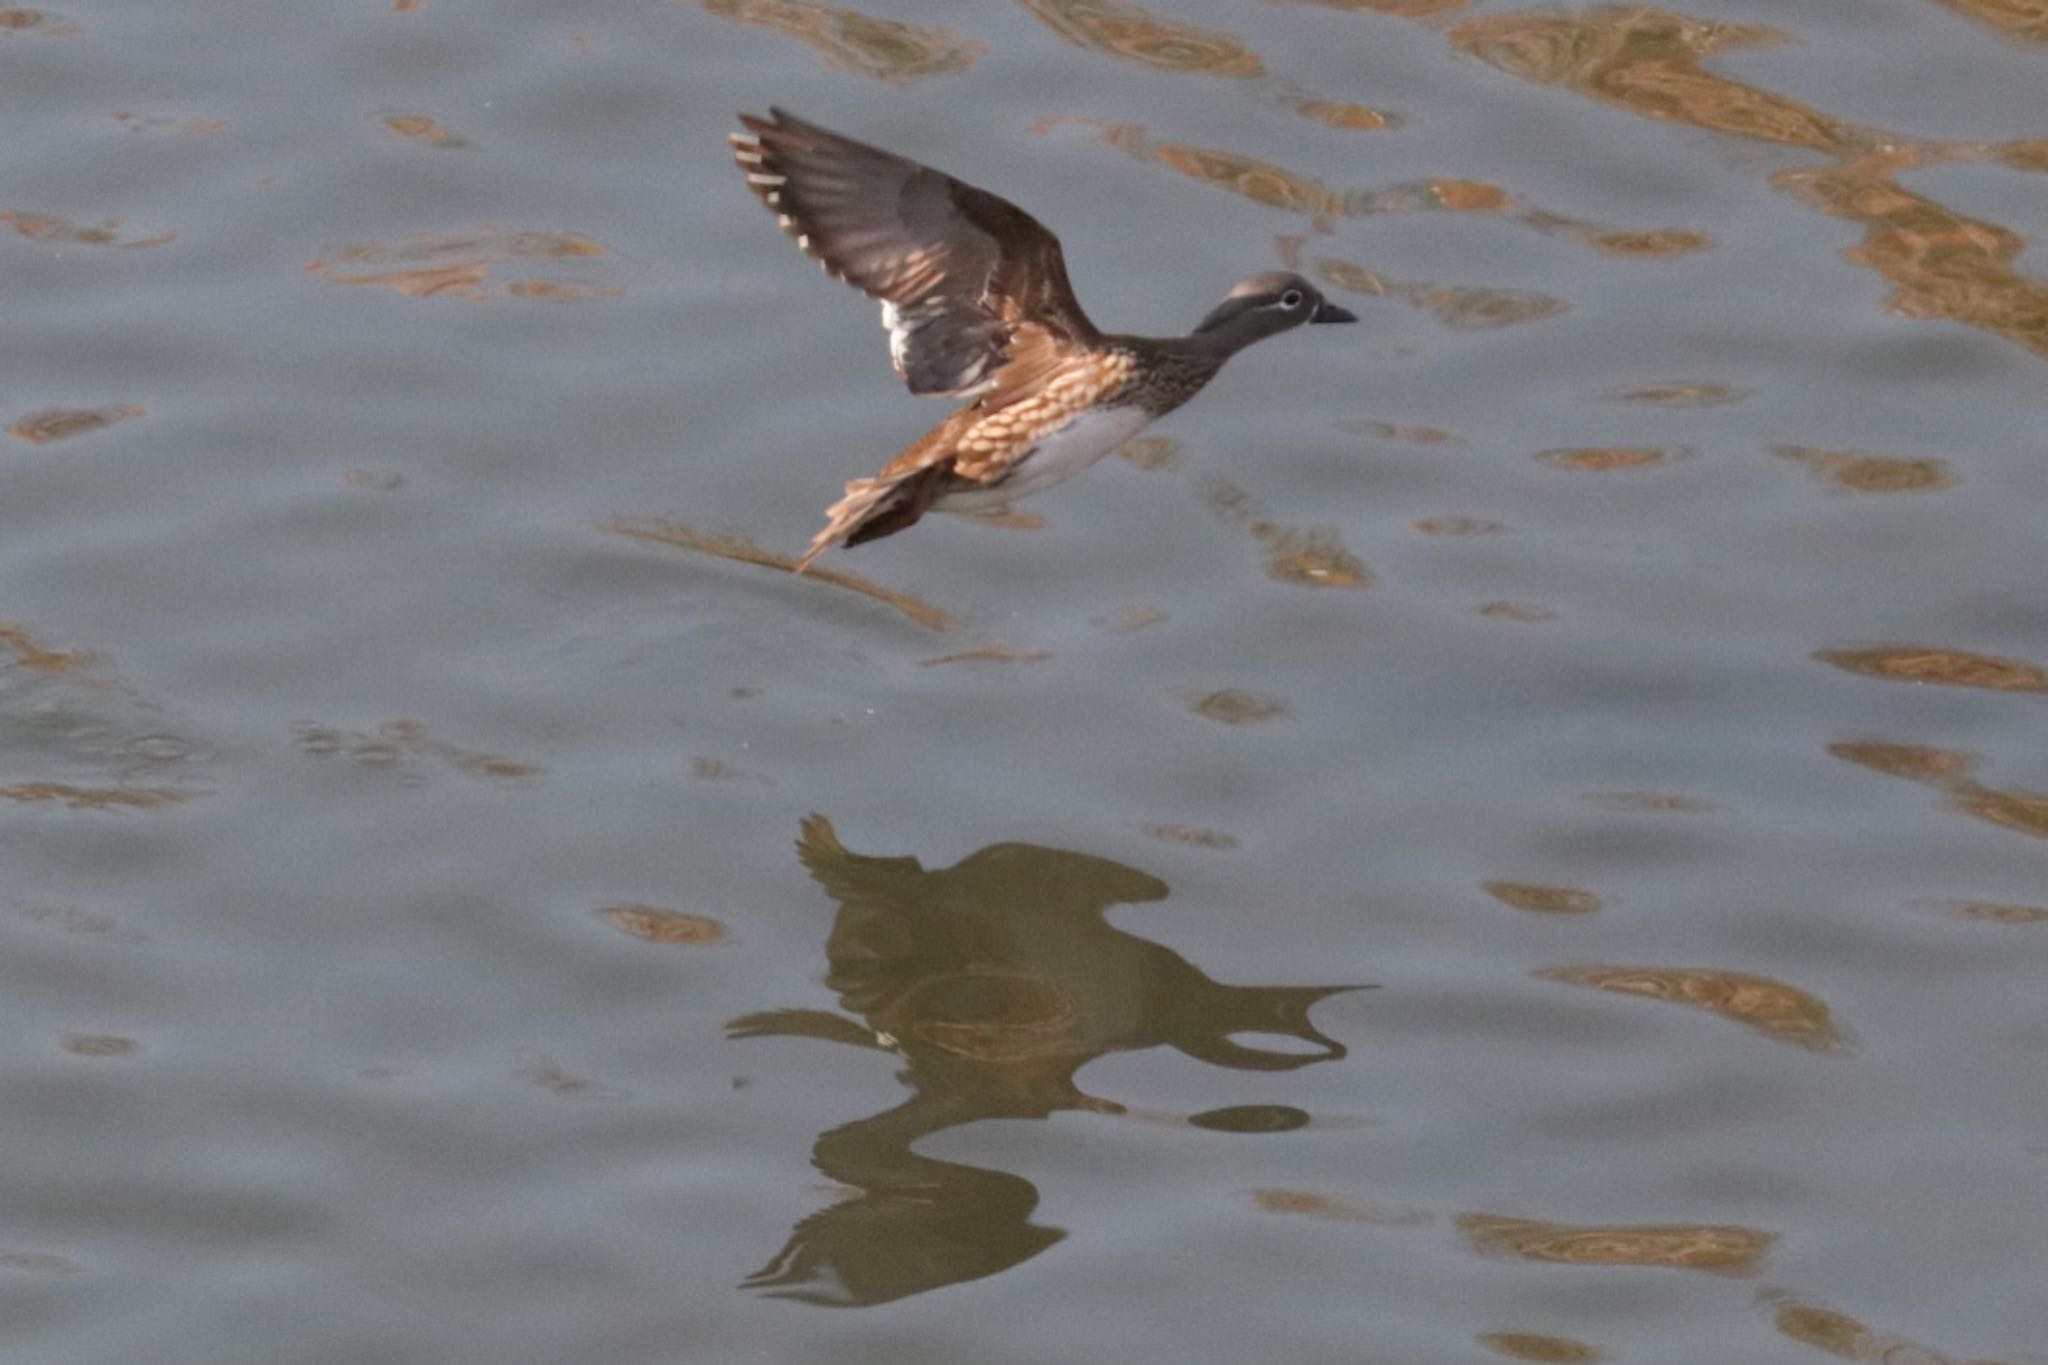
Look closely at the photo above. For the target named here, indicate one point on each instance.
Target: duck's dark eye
(1291, 299)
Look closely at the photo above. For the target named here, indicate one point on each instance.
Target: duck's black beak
(1330, 312)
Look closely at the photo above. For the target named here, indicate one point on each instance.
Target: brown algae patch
(37, 22)
(76, 797)
(396, 742)
(37, 657)
(1230, 706)
(740, 550)
(1402, 434)
(1121, 29)
(1528, 613)
(1779, 1012)
(1650, 803)
(61, 424)
(167, 124)
(1949, 772)
(1602, 459)
(651, 924)
(1129, 619)
(1462, 308)
(1192, 836)
(1465, 308)
(1676, 393)
(707, 769)
(1988, 912)
(1544, 1350)
(1940, 667)
(1848, 1338)
(1150, 452)
(1646, 245)
(1455, 526)
(1304, 556)
(99, 1045)
(847, 40)
(1290, 191)
(56, 229)
(1542, 900)
(462, 265)
(1252, 1118)
(994, 652)
(1858, 471)
(1719, 1249)
(422, 129)
(544, 1074)
(1335, 1208)
(1351, 118)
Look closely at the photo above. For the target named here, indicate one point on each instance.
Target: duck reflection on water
(996, 980)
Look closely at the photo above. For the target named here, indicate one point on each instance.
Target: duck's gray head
(1263, 304)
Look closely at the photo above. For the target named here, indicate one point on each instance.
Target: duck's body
(974, 293)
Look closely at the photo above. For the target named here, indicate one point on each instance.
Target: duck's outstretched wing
(957, 270)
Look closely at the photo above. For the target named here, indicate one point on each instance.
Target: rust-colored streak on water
(1461, 308)
(463, 265)
(1720, 1249)
(36, 22)
(1949, 772)
(1940, 263)
(1399, 9)
(846, 39)
(397, 743)
(61, 424)
(652, 924)
(1234, 706)
(1336, 1208)
(78, 797)
(1151, 452)
(1988, 912)
(1647, 61)
(31, 653)
(1304, 556)
(1118, 28)
(1780, 1012)
(1677, 393)
(423, 129)
(1603, 459)
(1945, 667)
(1849, 1338)
(1192, 836)
(1545, 1350)
(56, 229)
(1264, 182)
(166, 124)
(1543, 900)
(1355, 118)
(1861, 471)
(740, 550)
(2024, 21)
(995, 652)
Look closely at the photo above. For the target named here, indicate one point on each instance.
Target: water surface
(1513, 830)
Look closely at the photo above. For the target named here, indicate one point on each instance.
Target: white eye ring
(1291, 299)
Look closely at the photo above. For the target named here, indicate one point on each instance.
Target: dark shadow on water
(995, 980)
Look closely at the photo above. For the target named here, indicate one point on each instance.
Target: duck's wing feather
(958, 270)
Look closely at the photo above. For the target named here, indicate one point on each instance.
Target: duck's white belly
(1060, 456)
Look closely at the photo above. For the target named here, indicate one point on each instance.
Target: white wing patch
(899, 335)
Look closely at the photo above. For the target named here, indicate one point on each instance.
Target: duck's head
(1261, 305)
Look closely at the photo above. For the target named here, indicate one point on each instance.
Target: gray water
(465, 901)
